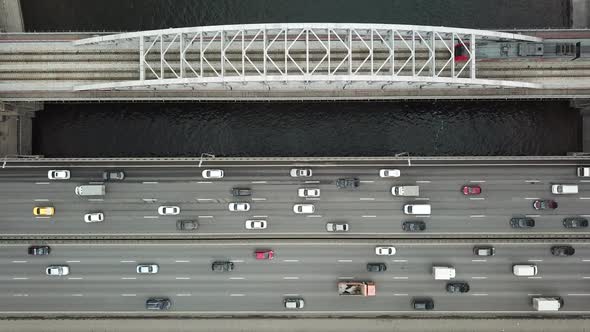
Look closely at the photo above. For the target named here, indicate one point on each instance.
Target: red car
(471, 190)
(264, 254)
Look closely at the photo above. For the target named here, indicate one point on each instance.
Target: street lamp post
(205, 155)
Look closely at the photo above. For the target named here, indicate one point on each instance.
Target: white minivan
(562, 189)
(583, 171)
(417, 209)
(524, 270)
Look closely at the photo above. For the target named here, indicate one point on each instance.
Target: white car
(168, 210)
(256, 224)
(389, 173)
(308, 192)
(58, 174)
(57, 270)
(303, 208)
(385, 251)
(300, 172)
(337, 227)
(239, 207)
(94, 217)
(212, 174)
(147, 268)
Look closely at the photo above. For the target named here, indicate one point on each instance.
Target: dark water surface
(128, 15)
(307, 129)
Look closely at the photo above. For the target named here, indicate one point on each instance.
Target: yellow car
(43, 210)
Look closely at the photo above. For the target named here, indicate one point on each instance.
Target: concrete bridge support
(16, 128)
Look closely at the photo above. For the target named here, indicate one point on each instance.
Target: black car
(575, 222)
(413, 226)
(158, 304)
(457, 287)
(113, 175)
(236, 192)
(187, 225)
(39, 250)
(376, 267)
(425, 303)
(522, 222)
(544, 204)
(562, 251)
(222, 266)
(347, 183)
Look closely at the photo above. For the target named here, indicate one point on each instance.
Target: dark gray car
(237, 192)
(376, 267)
(563, 251)
(457, 287)
(158, 303)
(222, 266)
(347, 183)
(414, 226)
(522, 222)
(424, 303)
(187, 225)
(575, 222)
(113, 175)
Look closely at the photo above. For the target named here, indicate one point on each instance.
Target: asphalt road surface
(103, 278)
(130, 206)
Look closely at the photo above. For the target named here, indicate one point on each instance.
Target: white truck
(443, 272)
(547, 303)
(405, 191)
(91, 190)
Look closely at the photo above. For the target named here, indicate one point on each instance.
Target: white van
(417, 209)
(583, 171)
(562, 189)
(547, 303)
(524, 270)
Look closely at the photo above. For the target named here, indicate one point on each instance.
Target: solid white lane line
(477, 216)
(20, 278)
(72, 261)
(423, 181)
(476, 198)
(204, 182)
(259, 199)
(41, 182)
(344, 260)
(203, 217)
(128, 278)
(205, 199)
(346, 278)
(399, 260)
(183, 278)
(369, 216)
(95, 199)
(258, 182)
(19, 261)
(366, 181)
(291, 278)
(396, 294)
(237, 295)
(584, 197)
(150, 182)
(314, 216)
(366, 199)
(531, 198)
(128, 295)
(150, 217)
(312, 181)
(290, 260)
(236, 278)
(400, 278)
(480, 294)
(479, 277)
(535, 277)
(535, 260)
(183, 294)
(41, 200)
(127, 261)
(181, 261)
(477, 181)
(479, 260)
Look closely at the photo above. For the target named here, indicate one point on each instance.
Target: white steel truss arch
(305, 55)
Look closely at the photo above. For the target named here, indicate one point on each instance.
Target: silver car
(94, 217)
(58, 174)
(147, 268)
(239, 207)
(308, 192)
(303, 208)
(300, 172)
(168, 210)
(57, 270)
(337, 227)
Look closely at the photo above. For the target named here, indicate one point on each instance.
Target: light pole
(205, 155)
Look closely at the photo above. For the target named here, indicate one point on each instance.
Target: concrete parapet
(16, 128)
(580, 14)
(11, 16)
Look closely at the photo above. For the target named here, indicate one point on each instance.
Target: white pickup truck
(443, 272)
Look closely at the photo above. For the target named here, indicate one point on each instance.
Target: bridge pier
(11, 16)
(16, 128)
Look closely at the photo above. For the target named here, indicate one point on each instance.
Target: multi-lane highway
(130, 206)
(103, 279)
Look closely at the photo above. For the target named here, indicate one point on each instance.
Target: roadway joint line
(40, 217)
(312, 198)
(259, 216)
